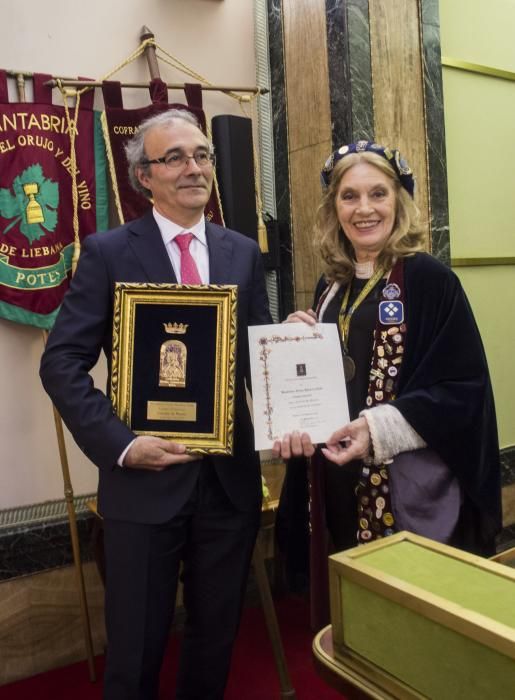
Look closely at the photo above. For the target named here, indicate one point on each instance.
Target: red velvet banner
(36, 209)
(120, 124)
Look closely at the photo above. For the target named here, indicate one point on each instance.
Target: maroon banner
(36, 208)
(120, 124)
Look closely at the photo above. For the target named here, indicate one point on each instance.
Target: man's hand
(294, 445)
(147, 452)
(348, 443)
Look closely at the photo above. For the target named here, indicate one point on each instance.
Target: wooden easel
(68, 490)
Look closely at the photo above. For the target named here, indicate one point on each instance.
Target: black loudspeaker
(232, 139)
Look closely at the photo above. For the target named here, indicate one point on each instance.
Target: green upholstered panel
(433, 659)
(454, 580)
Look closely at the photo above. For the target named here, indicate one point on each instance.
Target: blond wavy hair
(333, 245)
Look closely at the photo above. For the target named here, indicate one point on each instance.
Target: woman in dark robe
(421, 450)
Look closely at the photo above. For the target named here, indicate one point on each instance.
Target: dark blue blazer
(135, 252)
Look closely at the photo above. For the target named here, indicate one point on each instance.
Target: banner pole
(20, 86)
(150, 53)
(90, 84)
(70, 505)
(72, 521)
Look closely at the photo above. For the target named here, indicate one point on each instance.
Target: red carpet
(253, 675)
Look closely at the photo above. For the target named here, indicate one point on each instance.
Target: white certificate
(297, 381)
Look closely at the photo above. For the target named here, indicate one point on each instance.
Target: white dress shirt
(198, 246)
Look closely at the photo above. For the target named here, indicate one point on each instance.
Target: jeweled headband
(392, 155)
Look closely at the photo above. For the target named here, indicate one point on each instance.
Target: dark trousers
(214, 542)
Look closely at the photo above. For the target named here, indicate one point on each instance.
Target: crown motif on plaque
(176, 328)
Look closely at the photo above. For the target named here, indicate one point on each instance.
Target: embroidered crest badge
(391, 312)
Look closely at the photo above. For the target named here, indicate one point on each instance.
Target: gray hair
(135, 147)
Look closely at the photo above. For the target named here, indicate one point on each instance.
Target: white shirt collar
(169, 229)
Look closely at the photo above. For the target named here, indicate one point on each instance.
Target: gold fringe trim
(112, 170)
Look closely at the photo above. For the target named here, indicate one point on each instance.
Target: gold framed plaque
(173, 362)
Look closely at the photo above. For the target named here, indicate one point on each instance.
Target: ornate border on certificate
(266, 344)
(173, 369)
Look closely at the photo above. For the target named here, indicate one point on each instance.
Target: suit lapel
(147, 244)
(148, 247)
(220, 254)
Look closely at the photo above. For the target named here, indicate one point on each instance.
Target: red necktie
(189, 270)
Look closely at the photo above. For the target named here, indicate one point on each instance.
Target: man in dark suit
(160, 506)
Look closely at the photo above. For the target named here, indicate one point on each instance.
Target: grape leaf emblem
(33, 204)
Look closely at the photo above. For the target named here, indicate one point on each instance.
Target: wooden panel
(303, 300)
(309, 130)
(305, 166)
(397, 83)
(307, 76)
(508, 505)
(41, 624)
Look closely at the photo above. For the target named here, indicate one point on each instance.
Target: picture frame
(173, 362)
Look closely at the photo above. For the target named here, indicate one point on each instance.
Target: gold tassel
(261, 228)
(262, 235)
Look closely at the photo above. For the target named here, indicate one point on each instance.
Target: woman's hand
(294, 445)
(348, 443)
(308, 317)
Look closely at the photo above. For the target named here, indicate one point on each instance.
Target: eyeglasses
(203, 159)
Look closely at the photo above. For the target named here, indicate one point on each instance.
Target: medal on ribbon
(344, 319)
